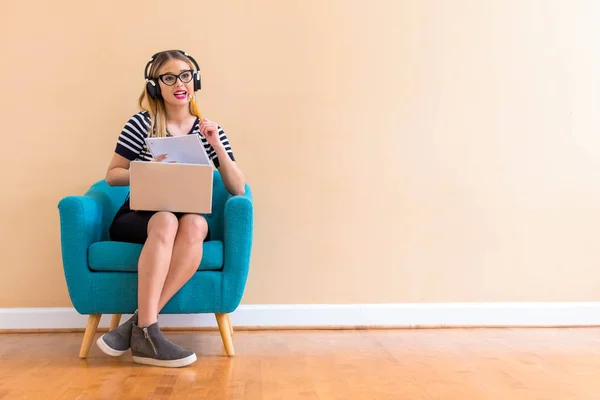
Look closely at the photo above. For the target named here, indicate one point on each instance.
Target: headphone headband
(154, 88)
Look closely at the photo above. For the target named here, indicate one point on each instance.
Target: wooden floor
(465, 364)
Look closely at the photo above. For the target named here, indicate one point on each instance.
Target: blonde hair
(156, 107)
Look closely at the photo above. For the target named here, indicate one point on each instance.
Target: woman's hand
(209, 130)
(160, 158)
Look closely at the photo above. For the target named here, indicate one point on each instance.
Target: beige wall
(416, 151)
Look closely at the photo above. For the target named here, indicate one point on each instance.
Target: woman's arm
(118, 171)
(129, 147)
(232, 175)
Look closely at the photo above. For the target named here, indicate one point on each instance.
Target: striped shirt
(132, 146)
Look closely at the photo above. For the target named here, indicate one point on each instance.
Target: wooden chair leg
(114, 322)
(229, 322)
(225, 330)
(88, 336)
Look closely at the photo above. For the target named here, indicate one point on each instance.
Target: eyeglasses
(170, 79)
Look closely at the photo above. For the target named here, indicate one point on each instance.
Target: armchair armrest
(237, 243)
(80, 226)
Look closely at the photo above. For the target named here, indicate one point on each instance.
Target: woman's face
(176, 82)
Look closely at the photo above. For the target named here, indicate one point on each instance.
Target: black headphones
(152, 85)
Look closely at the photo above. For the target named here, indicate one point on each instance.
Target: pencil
(195, 108)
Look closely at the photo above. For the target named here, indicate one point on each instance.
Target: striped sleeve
(131, 140)
(212, 154)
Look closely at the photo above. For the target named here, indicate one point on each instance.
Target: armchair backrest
(112, 198)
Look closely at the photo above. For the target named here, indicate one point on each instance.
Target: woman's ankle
(145, 321)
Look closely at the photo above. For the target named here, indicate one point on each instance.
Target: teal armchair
(101, 274)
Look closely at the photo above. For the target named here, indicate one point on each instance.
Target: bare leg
(153, 265)
(187, 254)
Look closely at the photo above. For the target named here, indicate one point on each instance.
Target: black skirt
(132, 226)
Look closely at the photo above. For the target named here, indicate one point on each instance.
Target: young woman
(172, 242)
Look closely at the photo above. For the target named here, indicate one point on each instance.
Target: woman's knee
(193, 228)
(163, 226)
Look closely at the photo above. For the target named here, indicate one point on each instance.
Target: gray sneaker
(116, 342)
(150, 347)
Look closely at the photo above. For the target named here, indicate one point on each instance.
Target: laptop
(174, 187)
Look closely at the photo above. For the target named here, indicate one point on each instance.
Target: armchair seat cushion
(123, 257)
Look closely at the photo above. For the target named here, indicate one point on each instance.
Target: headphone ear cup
(197, 84)
(153, 89)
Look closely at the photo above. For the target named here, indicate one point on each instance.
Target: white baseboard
(333, 315)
